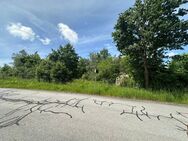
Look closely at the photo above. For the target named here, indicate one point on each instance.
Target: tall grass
(97, 88)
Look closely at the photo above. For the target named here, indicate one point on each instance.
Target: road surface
(28, 115)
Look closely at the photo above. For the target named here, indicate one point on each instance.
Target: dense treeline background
(64, 65)
(143, 34)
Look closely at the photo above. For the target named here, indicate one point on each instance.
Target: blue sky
(42, 25)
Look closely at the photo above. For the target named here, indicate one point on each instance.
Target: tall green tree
(147, 30)
(68, 57)
(25, 64)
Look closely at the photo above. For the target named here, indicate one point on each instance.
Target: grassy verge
(97, 88)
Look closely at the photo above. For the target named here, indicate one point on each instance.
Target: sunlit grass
(97, 88)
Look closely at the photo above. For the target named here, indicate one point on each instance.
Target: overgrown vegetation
(146, 31)
(97, 88)
(143, 35)
(64, 65)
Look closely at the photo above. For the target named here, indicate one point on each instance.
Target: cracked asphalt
(31, 115)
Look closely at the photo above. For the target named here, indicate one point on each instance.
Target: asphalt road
(27, 115)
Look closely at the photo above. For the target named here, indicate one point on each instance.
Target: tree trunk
(146, 73)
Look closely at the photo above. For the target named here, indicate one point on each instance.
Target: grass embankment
(97, 88)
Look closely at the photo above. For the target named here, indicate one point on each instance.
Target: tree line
(64, 65)
(143, 34)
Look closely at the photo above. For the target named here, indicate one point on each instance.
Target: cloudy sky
(42, 25)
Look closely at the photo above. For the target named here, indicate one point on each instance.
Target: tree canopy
(25, 64)
(68, 57)
(147, 30)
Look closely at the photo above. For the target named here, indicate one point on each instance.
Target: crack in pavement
(102, 103)
(143, 113)
(31, 106)
(57, 107)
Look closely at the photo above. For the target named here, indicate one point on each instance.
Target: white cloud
(67, 33)
(45, 41)
(171, 54)
(18, 30)
(26, 33)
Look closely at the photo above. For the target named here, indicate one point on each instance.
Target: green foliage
(179, 67)
(108, 70)
(43, 72)
(97, 88)
(60, 66)
(173, 77)
(179, 64)
(59, 72)
(125, 65)
(82, 66)
(102, 66)
(99, 56)
(68, 57)
(25, 64)
(6, 71)
(96, 58)
(93, 62)
(146, 31)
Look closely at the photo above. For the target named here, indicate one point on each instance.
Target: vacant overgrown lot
(97, 88)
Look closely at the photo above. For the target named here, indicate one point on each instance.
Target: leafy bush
(43, 72)
(6, 71)
(60, 73)
(108, 70)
